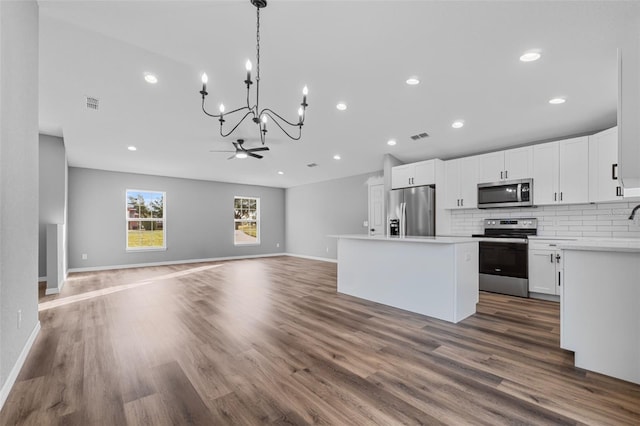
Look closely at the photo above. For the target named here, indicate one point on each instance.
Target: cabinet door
(491, 167)
(574, 171)
(545, 173)
(603, 167)
(452, 184)
(424, 173)
(542, 271)
(518, 163)
(468, 177)
(401, 176)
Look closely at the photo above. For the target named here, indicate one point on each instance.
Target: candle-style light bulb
(300, 114)
(305, 92)
(205, 79)
(221, 109)
(248, 66)
(264, 119)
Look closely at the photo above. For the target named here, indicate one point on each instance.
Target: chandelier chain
(258, 44)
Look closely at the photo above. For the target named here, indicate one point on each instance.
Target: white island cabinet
(600, 306)
(434, 276)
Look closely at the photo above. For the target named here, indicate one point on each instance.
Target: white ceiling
(465, 54)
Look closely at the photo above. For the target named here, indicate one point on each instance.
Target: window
(246, 218)
(145, 220)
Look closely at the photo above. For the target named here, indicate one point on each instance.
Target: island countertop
(408, 239)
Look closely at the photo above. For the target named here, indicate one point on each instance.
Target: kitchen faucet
(633, 212)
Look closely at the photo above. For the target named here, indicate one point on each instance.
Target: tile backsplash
(579, 220)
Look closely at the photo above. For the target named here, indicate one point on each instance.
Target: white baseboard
(13, 374)
(542, 296)
(322, 259)
(171, 262)
(50, 291)
(56, 290)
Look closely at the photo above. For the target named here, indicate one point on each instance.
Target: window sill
(137, 250)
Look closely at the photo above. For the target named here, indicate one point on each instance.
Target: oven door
(504, 259)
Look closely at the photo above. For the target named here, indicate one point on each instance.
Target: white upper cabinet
(401, 176)
(546, 164)
(628, 114)
(414, 174)
(561, 172)
(518, 163)
(603, 167)
(491, 167)
(514, 163)
(574, 171)
(461, 183)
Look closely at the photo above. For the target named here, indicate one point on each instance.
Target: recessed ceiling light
(391, 142)
(132, 148)
(150, 78)
(280, 172)
(556, 101)
(530, 56)
(341, 106)
(336, 157)
(457, 124)
(412, 81)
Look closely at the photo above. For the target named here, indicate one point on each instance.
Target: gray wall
(18, 181)
(53, 191)
(199, 218)
(317, 210)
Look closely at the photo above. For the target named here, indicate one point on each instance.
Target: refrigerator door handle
(403, 219)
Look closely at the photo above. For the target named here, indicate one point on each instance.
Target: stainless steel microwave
(512, 193)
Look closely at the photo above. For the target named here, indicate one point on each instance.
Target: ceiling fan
(242, 152)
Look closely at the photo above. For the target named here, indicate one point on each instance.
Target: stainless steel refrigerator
(412, 211)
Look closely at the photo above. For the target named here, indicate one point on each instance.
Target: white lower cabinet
(545, 267)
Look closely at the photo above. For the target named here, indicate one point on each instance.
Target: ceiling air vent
(312, 165)
(92, 103)
(420, 136)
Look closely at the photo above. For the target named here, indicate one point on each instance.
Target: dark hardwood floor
(270, 341)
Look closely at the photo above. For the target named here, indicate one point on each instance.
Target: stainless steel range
(504, 264)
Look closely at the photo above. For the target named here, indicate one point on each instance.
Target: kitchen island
(600, 306)
(434, 276)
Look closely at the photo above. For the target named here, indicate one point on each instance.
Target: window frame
(257, 221)
(128, 220)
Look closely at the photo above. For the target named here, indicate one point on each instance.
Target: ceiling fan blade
(236, 146)
(232, 157)
(213, 150)
(262, 148)
(251, 154)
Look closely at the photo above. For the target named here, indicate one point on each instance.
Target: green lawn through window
(147, 239)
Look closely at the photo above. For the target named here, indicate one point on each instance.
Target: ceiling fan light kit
(258, 116)
(241, 152)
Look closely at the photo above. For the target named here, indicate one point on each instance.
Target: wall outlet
(327, 249)
(365, 224)
(277, 244)
(84, 256)
(19, 318)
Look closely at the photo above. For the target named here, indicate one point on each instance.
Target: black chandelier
(258, 116)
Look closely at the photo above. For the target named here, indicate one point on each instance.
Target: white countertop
(614, 244)
(427, 240)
